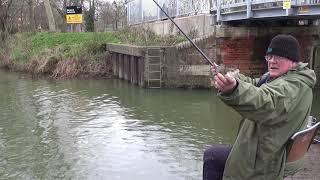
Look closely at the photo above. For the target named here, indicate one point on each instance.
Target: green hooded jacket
(272, 113)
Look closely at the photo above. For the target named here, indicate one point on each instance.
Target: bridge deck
(231, 10)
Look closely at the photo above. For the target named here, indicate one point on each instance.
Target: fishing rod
(194, 45)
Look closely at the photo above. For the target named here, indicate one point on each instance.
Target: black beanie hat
(285, 46)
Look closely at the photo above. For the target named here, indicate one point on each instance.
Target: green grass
(27, 45)
(52, 40)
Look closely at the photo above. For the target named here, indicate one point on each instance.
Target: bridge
(142, 11)
(232, 10)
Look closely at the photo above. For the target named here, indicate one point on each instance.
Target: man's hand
(225, 84)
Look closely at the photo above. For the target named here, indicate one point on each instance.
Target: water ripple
(105, 130)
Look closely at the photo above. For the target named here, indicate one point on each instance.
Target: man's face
(278, 65)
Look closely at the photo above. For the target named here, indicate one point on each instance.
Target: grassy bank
(59, 55)
(27, 46)
(69, 55)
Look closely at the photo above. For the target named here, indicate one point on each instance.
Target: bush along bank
(59, 55)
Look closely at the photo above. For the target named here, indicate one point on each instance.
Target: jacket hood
(305, 74)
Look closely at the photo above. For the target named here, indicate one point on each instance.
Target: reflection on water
(92, 129)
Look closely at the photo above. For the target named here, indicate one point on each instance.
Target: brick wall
(306, 43)
(243, 54)
(246, 51)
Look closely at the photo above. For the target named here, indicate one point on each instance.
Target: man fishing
(273, 108)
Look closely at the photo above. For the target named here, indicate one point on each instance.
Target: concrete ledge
(126, 49)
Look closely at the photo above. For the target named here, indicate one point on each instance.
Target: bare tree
(51, 22)
(41, 20)
(90, 16)
(31, 15)
(103, 10)
(5, 6)
(211, 4)
(119, 13)
(44, 15)
(116, 14)
(110, 15)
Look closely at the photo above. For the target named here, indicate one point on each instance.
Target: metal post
(218, 10)
(249, 12)
(141, 7)
(158, 12)
(177, 8)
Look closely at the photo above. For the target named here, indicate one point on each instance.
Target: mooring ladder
(154, 56)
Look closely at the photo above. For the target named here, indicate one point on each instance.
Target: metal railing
(227, 10)
(140, 11)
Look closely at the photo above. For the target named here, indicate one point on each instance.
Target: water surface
(107, 129)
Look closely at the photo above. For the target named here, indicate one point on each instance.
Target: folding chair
(300, 142)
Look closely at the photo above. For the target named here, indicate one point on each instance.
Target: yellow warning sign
(74, 18)
(286, 4)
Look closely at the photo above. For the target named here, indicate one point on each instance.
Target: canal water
(107, 129)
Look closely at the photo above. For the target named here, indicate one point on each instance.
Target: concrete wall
(201, 25)
(186, 67)
(128, 63)
(181, 66)
(238, 47)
